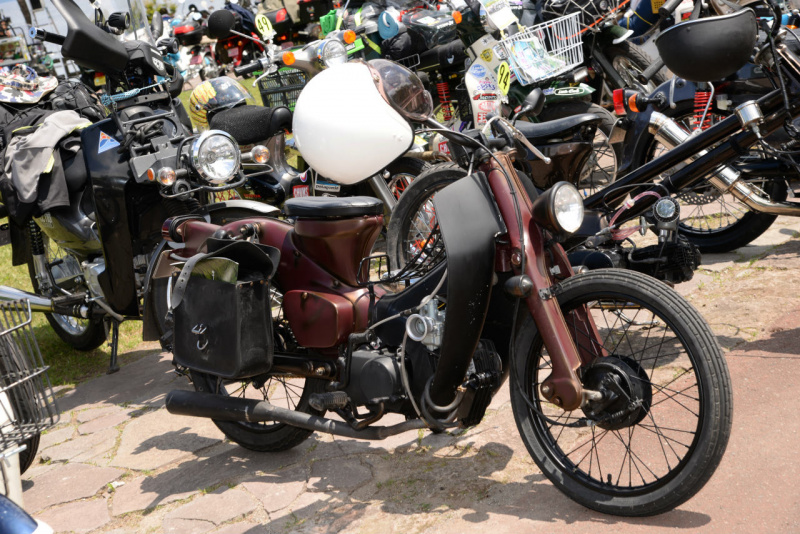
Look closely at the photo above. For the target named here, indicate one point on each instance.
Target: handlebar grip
(40, 34)
(651, 71)
(668, 7)
(244, 70)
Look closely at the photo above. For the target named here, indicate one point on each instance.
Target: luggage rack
(282, 88)
(27, 403)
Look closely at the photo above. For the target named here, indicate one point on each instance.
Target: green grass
(68, 366)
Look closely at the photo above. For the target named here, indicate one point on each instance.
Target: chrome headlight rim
(197, 146)
(546, 214)
(327, 45)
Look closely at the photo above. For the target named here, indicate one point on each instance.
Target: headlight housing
(216, 157)
(559, 209)
(332, 53)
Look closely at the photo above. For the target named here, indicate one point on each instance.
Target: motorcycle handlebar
(244, 70)
(42, 35)
(651, 71)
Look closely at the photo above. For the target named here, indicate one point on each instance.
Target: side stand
(113, 366)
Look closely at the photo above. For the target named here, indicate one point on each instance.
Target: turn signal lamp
(166, 176)
(457, 16)
(349, 36)
(260, 154)
(288, 58)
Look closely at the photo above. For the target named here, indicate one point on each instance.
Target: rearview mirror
(220, 24)
(157, 25)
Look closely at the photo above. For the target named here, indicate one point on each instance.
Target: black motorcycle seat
(252, 124)
(542, 131)
(332, 207)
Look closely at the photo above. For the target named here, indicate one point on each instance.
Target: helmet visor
(402, 89)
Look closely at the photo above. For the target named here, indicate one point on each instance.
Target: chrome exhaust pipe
(196, 404)
(38, 303)
(726, 179)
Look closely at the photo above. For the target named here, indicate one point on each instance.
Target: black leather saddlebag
(223, 321)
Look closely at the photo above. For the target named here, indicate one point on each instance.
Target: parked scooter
(306, 316)
(90, 258)
(194, 58)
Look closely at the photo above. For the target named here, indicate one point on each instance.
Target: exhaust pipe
(195, 404)
(38, 303)
(726, 179)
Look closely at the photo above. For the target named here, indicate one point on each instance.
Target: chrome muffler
(38, 303)
(725, 179)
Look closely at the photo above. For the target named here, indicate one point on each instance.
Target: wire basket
(410, 62)
(590, 12)
(282, 88)
(545, 50)
(27, 404)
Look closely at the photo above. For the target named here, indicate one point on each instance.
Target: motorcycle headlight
(215, 157)
(332, 53)
(559, 209)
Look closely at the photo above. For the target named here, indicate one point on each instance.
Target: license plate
(233, 52)
(300, 191)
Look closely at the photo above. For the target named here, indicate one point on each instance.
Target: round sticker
(263, 25)
(504, 77)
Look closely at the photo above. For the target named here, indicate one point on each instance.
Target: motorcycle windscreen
(469, 223)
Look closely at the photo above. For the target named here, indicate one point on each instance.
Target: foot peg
(333, 400)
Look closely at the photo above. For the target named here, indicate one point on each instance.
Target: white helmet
(352, 121)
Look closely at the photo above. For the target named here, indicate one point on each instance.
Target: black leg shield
(469, 222)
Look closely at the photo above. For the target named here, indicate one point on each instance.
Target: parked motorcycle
(90, 261)
(194, 58)
(306, 316)
(716, 161)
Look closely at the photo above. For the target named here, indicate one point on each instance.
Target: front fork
(563, 387)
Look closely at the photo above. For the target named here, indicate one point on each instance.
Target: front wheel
(664, 420)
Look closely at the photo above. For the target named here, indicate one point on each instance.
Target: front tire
(665, 443)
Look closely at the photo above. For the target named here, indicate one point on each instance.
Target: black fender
(469, 222)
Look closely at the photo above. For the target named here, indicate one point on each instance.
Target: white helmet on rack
(352, 121)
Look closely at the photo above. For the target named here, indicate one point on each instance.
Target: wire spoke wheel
(281, 390)
(64, 271)
(657, 434)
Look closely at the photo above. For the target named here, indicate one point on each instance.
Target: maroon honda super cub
(618, 387)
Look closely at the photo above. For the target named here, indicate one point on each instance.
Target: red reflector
(619, 101)
(280, 16)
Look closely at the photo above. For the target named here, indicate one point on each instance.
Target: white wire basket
(545, 50)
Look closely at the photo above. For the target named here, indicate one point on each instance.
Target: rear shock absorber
(37, 241)
(443, 91)
(702, 109)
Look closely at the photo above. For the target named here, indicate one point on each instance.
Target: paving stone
(215, 508)
(307, 506)
(101, 423)
(338, 475)
(224, 463)
(81, 516)
(159, 438)
(103, 410)
(67, 483)
(83, 448)
(143, 382)
(54, 437)
(187, 526)
(242, 528)
(275, 495)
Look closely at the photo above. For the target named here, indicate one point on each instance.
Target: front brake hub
(627, 393)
